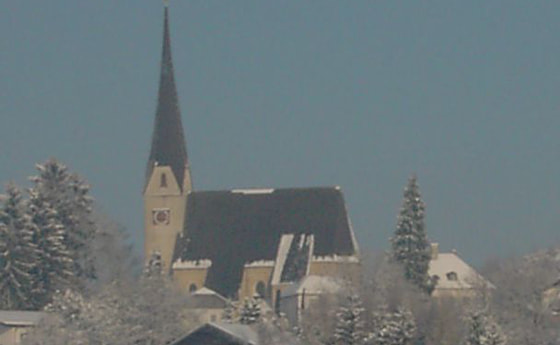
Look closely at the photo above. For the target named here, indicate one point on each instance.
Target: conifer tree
(483, 330)
(17, 254)
(349, 328)
(54, 268)
(250, 313)
(392, 328)
(154, 266)
(228, 315)
(68, 195)
(410, 246)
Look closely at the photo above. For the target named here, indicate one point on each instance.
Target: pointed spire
(168, 142)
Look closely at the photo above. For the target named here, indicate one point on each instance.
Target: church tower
(168, 178)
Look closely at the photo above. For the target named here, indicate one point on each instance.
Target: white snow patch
(454, 273)
(260, 263)
(253, 191)
(314, 285)
(336, 258)
(281, 255)
(192, 264)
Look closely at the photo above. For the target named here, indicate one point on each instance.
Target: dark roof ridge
(267, 190)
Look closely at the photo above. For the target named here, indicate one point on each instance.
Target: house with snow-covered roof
(15, 324)
(453, 276)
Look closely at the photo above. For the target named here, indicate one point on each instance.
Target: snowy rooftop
(336, 258)
(20, 318)
(281, 254)
(260, 263)
(179, 264)
(454, 273)
(206, 291)
(253, 191)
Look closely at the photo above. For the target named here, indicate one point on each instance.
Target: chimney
(435, 250)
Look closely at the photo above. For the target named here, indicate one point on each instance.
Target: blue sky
(303, 93)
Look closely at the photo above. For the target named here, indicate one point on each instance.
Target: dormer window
(452, 276)
(163, 181)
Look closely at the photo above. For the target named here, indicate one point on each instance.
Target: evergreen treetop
(410, 246)
(349, 329)
(482, 329)
(17, 252)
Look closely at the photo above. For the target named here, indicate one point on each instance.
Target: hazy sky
(303, 93)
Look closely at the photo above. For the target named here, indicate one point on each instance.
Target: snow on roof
(179, 264)
(260, 263)
(20, 318)
(454, 273)
(313, 285)
(254, 191)
(281, 255)
(206, 291)
(243, 332)
(336, 258)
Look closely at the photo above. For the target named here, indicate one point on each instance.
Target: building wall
(251, 277)
(184, 278)
(13, 336)
(347, 270)
(454, 293)
(209, 315)
(160, 234)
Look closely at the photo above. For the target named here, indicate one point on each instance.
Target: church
(237, 242)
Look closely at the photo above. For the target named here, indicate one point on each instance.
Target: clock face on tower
(160, 216)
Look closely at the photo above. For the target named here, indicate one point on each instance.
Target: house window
(192, 288)
(261, 289)
(163, 181)
(451, 276)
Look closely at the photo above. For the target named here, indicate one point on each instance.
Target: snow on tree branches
(54, 265)
(392, 328)
(68, 195)
(250, 312)
(46, 240)
(17, 253)
(410, 246)
(349, 325)
(483, 330)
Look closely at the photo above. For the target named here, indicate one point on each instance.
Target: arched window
(163, 180)
(192, 288)
(261, 289)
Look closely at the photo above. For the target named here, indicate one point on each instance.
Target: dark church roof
(232, 228)
(168, 142)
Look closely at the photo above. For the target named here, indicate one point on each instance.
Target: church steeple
(168, 142)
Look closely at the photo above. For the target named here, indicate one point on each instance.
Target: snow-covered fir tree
(68, 195)
(349, 329)
(228, 315)
(154, 266)
(54, 268)
(410, 246)
(250, 312)
(17, 253)
(392, 328)
(482, 329)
